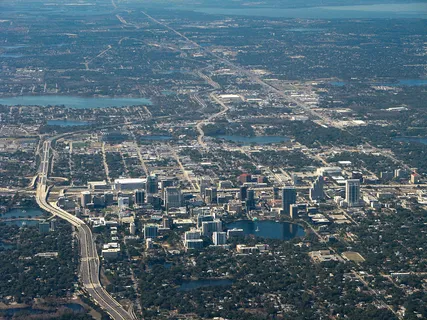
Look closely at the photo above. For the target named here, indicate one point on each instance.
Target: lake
(422, 140)
(22, 213)
(67, 123)
(256, 140)
(74, 102)
(74, 307)
(374, 11)
(156, 138)
(398, 83)
(269, 229)
(195, 284)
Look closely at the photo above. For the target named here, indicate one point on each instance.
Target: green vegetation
(25, 276)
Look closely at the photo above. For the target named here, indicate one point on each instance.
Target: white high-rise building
(219, 238)
(192, 239)
(352, 192)
(132, 228)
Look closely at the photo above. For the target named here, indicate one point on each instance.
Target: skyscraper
(209, 227)
(132, 228)
(289, 196)
(152, 184)
(352, 192)
(219, 238)
(243, 193)
(250, 199)
(139, 197)
(204, 183)
(85, 198)
(211, 195)
(202, 218)
(173, 197)
(150, 231)
(316, 190)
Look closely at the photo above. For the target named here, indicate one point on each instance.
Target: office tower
(202, 218)
(214, 195)
(352, 192)
(192, 234)
(85, 198)
(204, 183)
(152, 184)
(243, 193)
(192, 239)
(98, 201)
(316, 190)
(108, 198)
(195, 244)
(155, 201)
(289, 196)
(139, 197)
(173, 198)
(150, 231)
(132, 228)
(219, 238)
(235, 232)
(209, 227)
(211, 195)
(250, 200)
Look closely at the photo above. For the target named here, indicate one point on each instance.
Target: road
(250, 74)
(374, 293)
(89, 260)
(201, 123)
(104, 161)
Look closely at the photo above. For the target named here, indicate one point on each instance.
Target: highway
(201, 123)
(89, 260)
